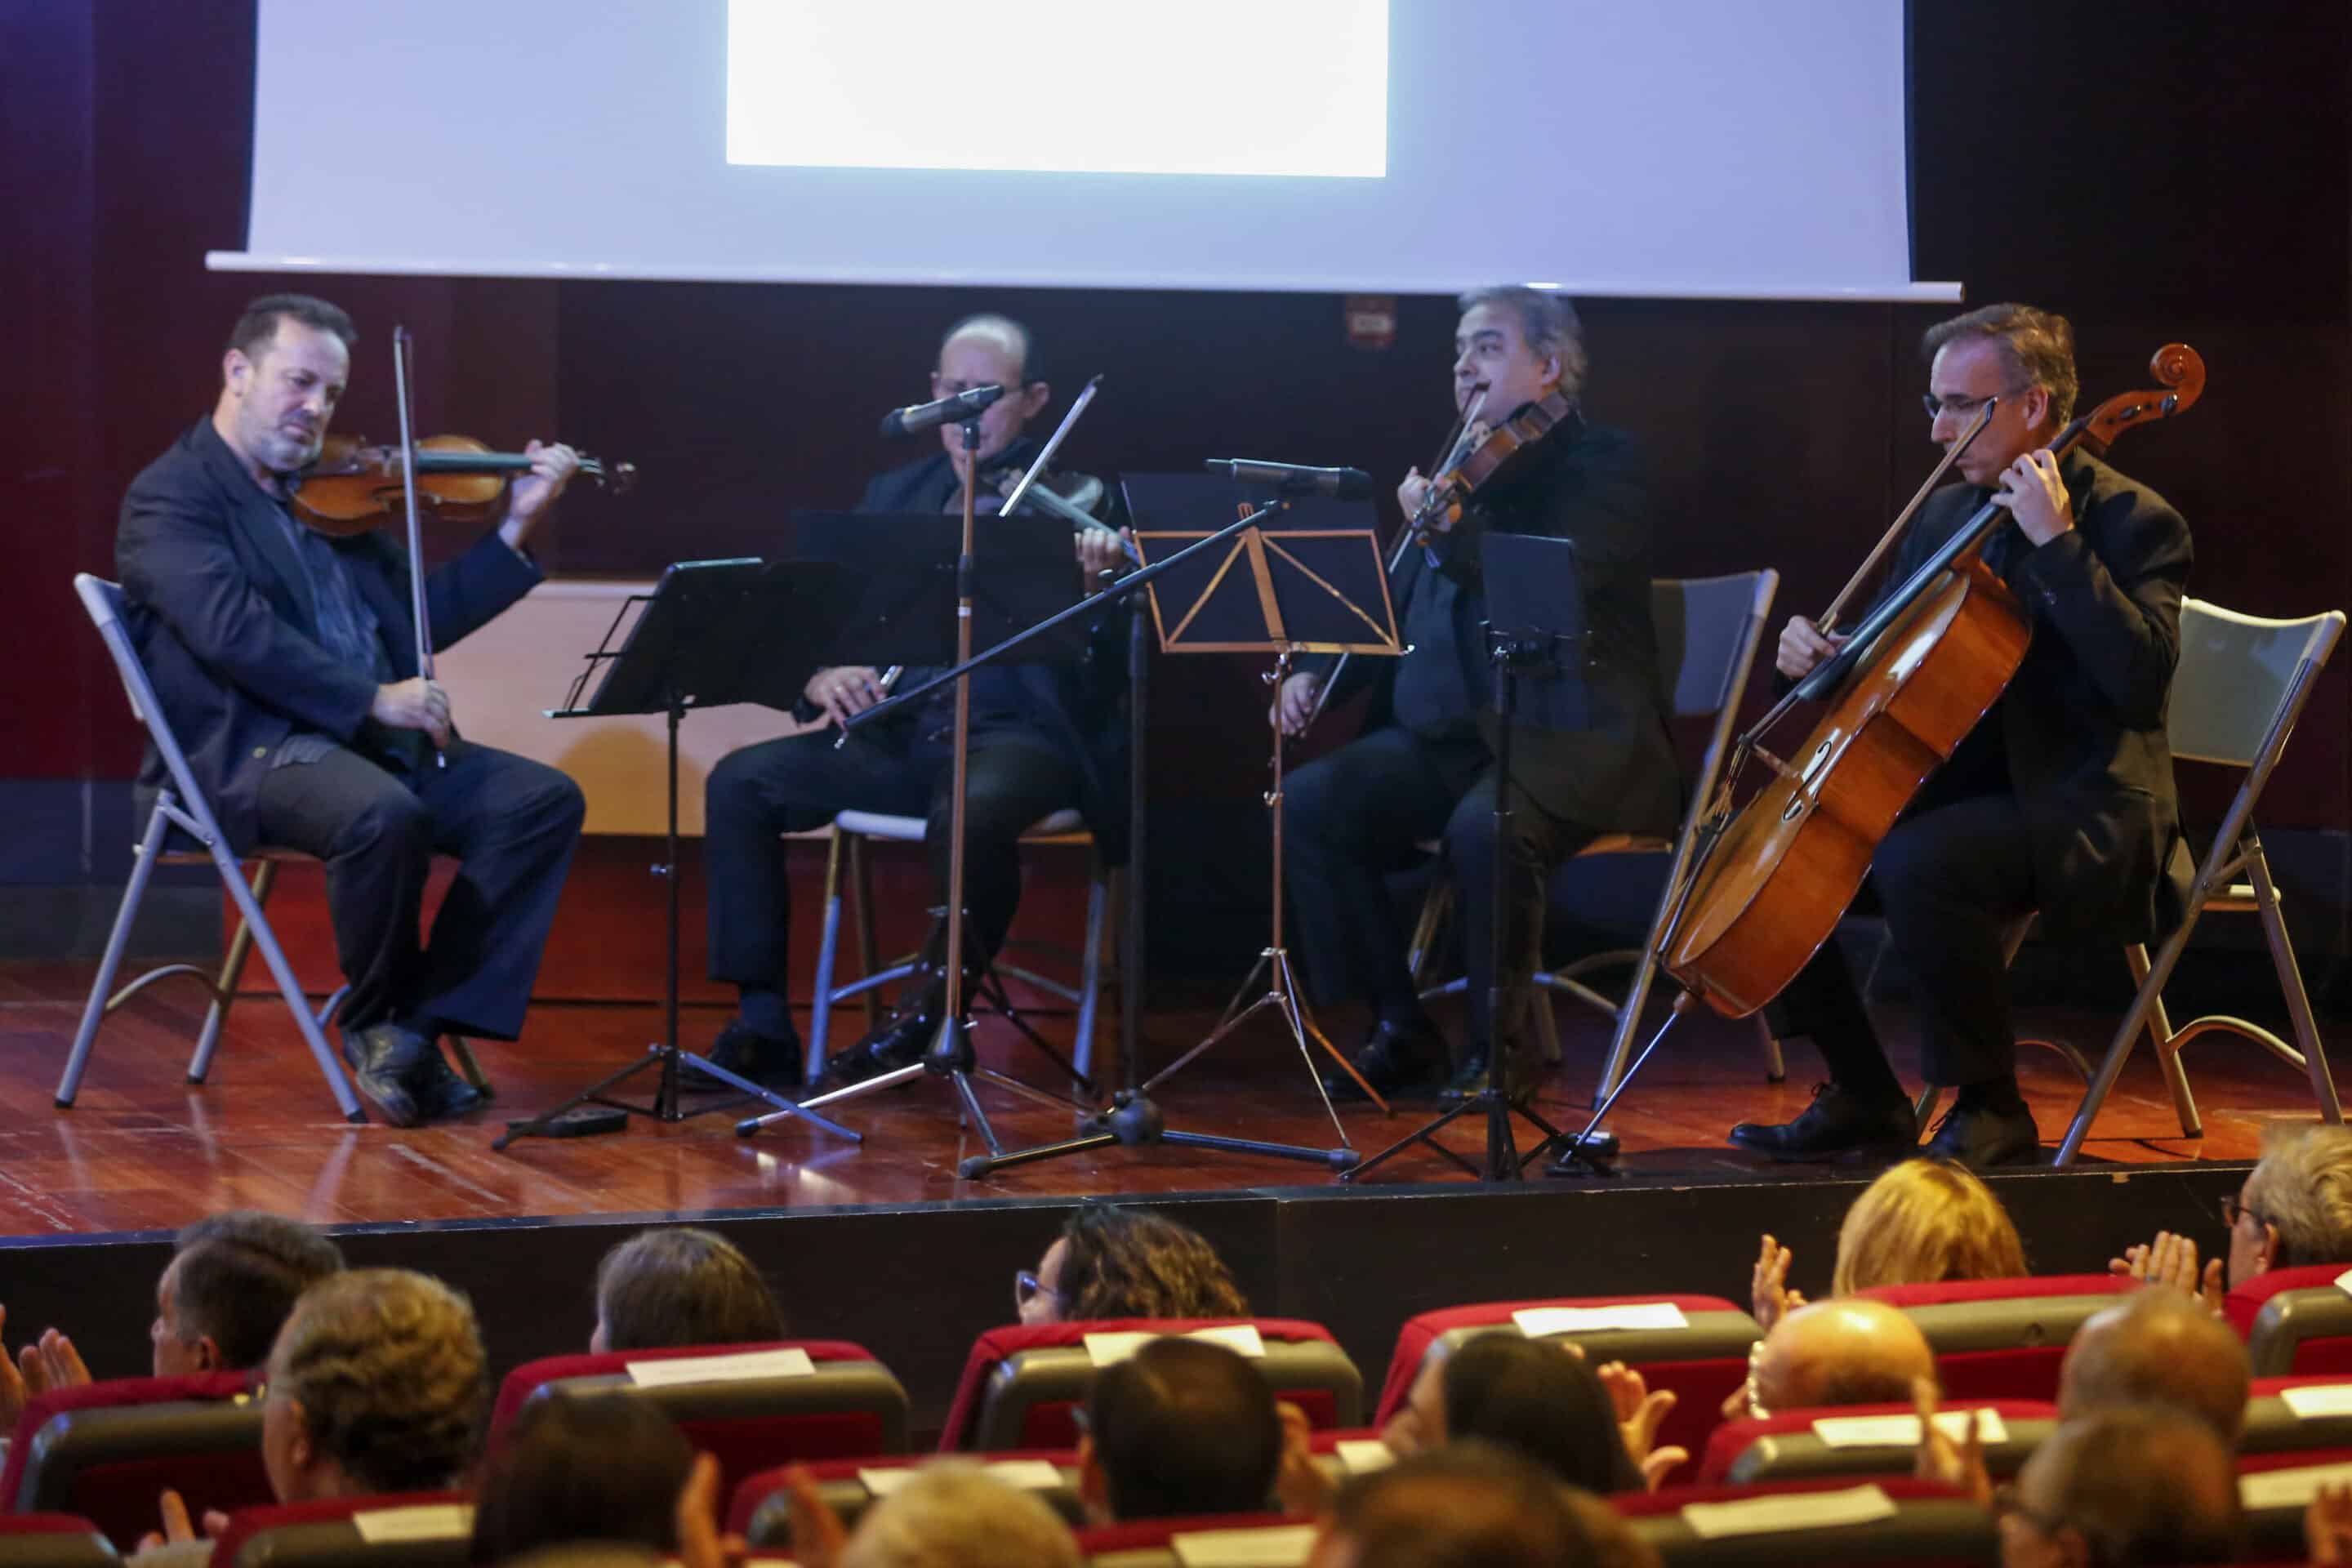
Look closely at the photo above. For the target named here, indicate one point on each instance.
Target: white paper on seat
(722, 1368)
(1538, 1321)
(1902, 1431)
(1274, 1546)
(425, 1521)
(1792, 1510)
(1029, 1475)
(1243, 1339)
(1362, 1456)
(2290, 1488)
(2344, 1281)
(2309, 1404)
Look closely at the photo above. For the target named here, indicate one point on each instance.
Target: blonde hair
(2303, 1185)
(388, 1368)
(953, 1514)
(1924, 1222)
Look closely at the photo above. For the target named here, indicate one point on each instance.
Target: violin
(1495, 454)
(1072, 496)
(355, 485)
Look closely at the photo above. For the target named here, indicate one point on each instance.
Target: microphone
(918, 418)
(1343, 484)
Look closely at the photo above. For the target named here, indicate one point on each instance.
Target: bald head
(2142, 1484)
(1841, 1353)
(1464, 1506)
(2158, 1347)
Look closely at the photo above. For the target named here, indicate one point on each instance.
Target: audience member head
(593, 1555)
(603, 1467)
(2295, 1206)
(1614, 1544)
(1841, 1353)
(1921, 1223)
(957, 1516)
(1126, 1263)
(232, 1280)
(1468, 1505)
(376, 1385)
(1181, 1427)
(1532, 1398)
(2158, 1347)
(2139, 1487)
(679, 1286)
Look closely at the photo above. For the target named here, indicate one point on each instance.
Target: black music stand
(712, 634)
(905, 611)
(1291, 577)
(1535, 620)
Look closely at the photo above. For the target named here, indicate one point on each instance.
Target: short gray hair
(2038, 345)
(1547, 321)
(2304, 1186)
(955, 1515)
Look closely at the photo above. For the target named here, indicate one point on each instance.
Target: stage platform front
(884, 1242)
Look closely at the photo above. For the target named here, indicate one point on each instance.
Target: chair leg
(1546, 1024)
(861, 876)
(463, 1049)
(143, 866)
(232, 971)
(1776, 1066)
(2167, 1045)
(1922, 1110)
(2126, 1034)
(828, 947)
(2298, 1002)
(329, 1064)
(1435, 905)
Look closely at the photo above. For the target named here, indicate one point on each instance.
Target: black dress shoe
(383, 1057)
(440, 1093)
(766, 1059)
(1838, 1121)
(1979, 1137)
(901, 1043)
(1398, 1060)
(1473, 1078)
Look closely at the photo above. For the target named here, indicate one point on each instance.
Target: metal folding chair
(2241, 684)
(181, 805)
(1708, 631)
(846, 867)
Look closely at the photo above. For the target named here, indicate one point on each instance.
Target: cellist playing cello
(2060, 800)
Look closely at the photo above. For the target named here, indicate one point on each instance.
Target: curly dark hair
(1137, 1263)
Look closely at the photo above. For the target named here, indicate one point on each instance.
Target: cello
(1922, 668)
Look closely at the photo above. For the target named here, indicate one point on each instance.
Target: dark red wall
(2187, 180)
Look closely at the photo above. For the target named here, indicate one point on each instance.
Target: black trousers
(1359, 814)
(1952, 879)
(799, 783)
(510, 823)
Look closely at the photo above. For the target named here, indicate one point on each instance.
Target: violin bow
(401, 349)
(1894, 530)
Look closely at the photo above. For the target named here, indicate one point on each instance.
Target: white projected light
(1691, 149)
(1091, 87)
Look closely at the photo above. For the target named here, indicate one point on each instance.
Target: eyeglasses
(2232, 1211)
(1962, 407)
(1027, 1287)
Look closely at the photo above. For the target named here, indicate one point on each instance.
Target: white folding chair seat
(2240, 686)
(1708, 630)
(848, 836)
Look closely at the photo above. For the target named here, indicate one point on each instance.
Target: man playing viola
(286, 664)
(1043, 737)
(1423, 767)
(2060, 802)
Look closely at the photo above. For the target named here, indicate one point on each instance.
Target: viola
(355, 485)
(1921, 670)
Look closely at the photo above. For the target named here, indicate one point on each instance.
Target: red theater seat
(104, 1451)
(758, 1511)
(1787, 1444)
(1151, 1542)
(406, 1529)
(2295, 1321)
(53, 1540)
(1932, 1527)
(751, 1417)
(2275, 1489)
(2274, 1427)
(1020, 1383)
(1701, 1361)
(2002, 1338)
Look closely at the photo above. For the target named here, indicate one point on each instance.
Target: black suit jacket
(1591, 745)
(1077, 709)
(222, 615)
(2082, 722)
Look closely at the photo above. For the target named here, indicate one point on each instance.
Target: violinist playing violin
(286, 663)
(1423, 768)
(2059, 802)
(1043, 737)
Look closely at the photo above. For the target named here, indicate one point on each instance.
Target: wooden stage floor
(143, 1150)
